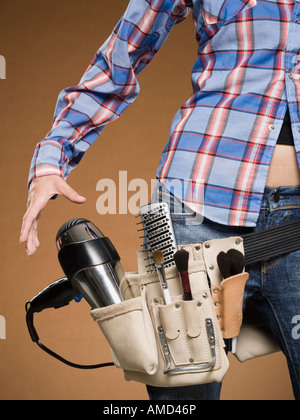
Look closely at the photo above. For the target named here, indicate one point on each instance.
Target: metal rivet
(217, 304)
(191, 360)
(199, 304)
(298, 19)
(211, 339)
(216, 291)
(208, 323)
(238, 241)
(211, 267)
(205, 295)
(177, 305)
(198, 248)
(207, 246)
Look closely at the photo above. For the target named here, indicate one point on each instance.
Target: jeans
(273, 285)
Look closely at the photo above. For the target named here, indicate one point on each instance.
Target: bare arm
(40, 192)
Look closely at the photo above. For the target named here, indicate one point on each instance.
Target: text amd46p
(132, 411)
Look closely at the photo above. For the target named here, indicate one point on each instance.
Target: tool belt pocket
(186, 336)
(228, 301)
(128, 329)
(187, 344)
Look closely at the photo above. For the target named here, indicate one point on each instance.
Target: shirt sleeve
(108, 86)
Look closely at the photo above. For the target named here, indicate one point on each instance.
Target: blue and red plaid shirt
(222, 139)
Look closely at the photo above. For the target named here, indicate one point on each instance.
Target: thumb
(71, 194)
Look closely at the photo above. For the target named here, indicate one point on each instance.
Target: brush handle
(164, 285)
(186, 285)
(167, 296)
(234, 343)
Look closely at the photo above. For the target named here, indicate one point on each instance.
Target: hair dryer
(90, 261)
(93, 271)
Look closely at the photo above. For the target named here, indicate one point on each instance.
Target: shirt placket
(293, 72)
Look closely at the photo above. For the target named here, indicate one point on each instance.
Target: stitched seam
(286, 207)
(268, 267)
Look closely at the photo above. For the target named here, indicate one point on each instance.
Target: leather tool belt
(182, 343)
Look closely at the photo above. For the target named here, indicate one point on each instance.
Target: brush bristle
(158, 256)
(237, 261)
(181, 259)
(224, 264)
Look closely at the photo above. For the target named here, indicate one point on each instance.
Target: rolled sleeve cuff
(48, 159)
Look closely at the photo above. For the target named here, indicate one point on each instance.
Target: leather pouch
(228, 300)
(128, 329)
(186, 332)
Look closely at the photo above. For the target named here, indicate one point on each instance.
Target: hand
(40, 192)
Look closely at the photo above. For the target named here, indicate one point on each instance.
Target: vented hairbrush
(158, 232)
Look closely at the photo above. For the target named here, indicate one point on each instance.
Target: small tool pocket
(228, 300)
(128, 329)
(187, 337)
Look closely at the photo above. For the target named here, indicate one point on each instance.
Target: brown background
(48, 45)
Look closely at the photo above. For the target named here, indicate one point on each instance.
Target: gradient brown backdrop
(47, 46)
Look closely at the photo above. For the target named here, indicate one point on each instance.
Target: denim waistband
(281, 197)
(273, 198)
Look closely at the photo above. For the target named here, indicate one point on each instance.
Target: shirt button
(298, 19)
(291, 75)
(272, 127)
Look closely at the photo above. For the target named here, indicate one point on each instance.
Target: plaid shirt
(222, 139)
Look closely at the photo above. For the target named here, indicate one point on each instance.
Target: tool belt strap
(272, 242)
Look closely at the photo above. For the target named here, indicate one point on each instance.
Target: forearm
(108, 86)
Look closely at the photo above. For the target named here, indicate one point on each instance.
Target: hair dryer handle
(56, 295)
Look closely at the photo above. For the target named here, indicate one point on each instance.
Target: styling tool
(93, 271)
(90, 261)
(158, 258)
(181, 259)
(158, 232)
(237, 261)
